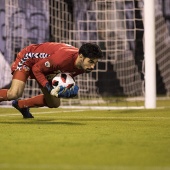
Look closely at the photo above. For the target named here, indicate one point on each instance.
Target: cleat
(24, 111)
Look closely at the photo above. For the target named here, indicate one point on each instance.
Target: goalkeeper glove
(51, 90)
(68, 93)
(62, 92)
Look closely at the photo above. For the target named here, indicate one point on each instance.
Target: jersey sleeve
(41, 69)
(61, 60)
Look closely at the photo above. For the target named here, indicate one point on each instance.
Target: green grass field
(60, 139)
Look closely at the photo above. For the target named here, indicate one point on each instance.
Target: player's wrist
(49, 87)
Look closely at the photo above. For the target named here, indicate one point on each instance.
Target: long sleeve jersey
(48, 58)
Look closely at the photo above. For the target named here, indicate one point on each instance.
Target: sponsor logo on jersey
(29, 56)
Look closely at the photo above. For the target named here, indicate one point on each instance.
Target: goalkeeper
(37, 61)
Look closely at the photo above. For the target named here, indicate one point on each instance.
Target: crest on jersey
(47, 64)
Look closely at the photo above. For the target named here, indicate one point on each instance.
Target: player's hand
(51, 90)
(68, 93)
(54, 91)
(62, 92)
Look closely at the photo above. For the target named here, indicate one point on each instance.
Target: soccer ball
(63, 79)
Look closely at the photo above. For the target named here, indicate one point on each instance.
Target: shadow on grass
(72, 121)
(42, 122)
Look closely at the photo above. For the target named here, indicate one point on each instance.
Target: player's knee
(54, 105)
(12, 95)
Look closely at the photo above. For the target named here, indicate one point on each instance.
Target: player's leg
(18, 81)
(3, 95)
(24, 105)
(36, 101)
(16, 89)
(41, 100)
(51, 101)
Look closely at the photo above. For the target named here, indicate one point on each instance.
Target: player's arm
(41, 69)
(44, 67)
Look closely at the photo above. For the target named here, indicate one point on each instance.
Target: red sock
(3, 95)
(36, 101)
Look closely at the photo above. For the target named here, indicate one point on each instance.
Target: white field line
(34, 113)
(75, 109)
(96, 107)
(92, 107)
(101, 107)
(86, 117)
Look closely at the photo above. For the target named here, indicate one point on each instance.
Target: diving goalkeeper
(37, 61)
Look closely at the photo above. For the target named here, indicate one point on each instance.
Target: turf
(85, 140)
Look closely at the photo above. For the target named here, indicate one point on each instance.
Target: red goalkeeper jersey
(48, 58)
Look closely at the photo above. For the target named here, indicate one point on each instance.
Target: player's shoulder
(67, 48)
(60, 45)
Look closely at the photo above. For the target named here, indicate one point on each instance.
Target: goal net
(116, 26)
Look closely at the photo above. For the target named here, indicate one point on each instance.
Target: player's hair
(90, 50)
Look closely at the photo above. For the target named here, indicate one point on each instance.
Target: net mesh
(116, 26)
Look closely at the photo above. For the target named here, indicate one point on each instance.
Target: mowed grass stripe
(83, 167)
(85, 118)
(85, 140)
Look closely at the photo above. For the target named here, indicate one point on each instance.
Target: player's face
(88, 64)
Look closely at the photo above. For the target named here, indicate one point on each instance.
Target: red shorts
(23, 72)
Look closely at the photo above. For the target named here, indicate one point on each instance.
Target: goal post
(150, 57)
